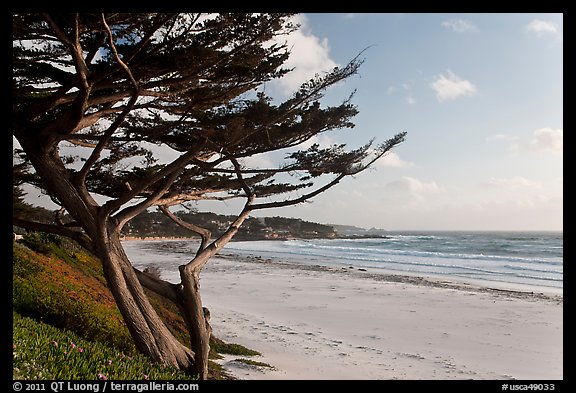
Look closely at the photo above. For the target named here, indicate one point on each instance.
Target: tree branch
(79, 237)
(159, 286)
(81, 175)
(130, 212)
(204, 233)
(68, 123)
(384, 148)
(196, 264)
(196, 196)
(171, 170)
(301, 199)
(238, 171)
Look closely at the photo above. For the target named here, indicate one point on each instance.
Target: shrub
(63, 295)
(62, 285)
(41, 351)
(220, 346)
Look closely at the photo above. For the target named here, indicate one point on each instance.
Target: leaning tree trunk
(197, 319)
(150, 334)
(189, 299)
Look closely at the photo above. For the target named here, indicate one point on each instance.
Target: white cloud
(544, 140)
(260, 161)
(410, 190)
(309, 55)
(459, 25)
(547, 140)
(542, 28)
(512, 183)
(393, 160)
(451, 86)
(408, 85)
(410, 100)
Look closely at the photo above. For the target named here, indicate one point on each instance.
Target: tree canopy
(101, 100)
(119, 85)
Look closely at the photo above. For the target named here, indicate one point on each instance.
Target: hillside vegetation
(254, 228)
(67, 325)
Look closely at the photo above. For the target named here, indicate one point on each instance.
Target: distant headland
(155, 225)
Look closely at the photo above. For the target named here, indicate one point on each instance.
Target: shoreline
(319, 323)
(311, 321)
(379, 273)
(438, 281)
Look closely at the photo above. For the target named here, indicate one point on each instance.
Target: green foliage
(157, 224)
(41, 351)
(64, 289)
(251, 362)
(202, 77)
(40, 242)
(53, 289)
(220, 346)
(23, 266)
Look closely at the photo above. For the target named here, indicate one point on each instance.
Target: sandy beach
(316, 322)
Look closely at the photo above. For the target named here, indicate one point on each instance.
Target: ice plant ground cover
(56, 283)
(61, 285)
(41, 351)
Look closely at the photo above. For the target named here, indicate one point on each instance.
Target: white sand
(332, 323)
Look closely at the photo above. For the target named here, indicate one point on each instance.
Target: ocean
(527, 259)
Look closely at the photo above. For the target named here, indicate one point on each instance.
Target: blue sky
(481, 97)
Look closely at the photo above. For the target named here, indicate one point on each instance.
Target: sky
(480, 97)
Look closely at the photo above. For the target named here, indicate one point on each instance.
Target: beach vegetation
(79, 307)
(43, 352)
(66, 289)
(251, 362)
(219, 346)
(118, 113)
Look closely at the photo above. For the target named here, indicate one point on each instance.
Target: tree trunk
(197, 320)
(150, 334)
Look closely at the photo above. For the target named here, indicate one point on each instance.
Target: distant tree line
(156, 224)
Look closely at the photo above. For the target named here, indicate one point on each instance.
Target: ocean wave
(451, 258)
(419, 264)
(376, 254)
